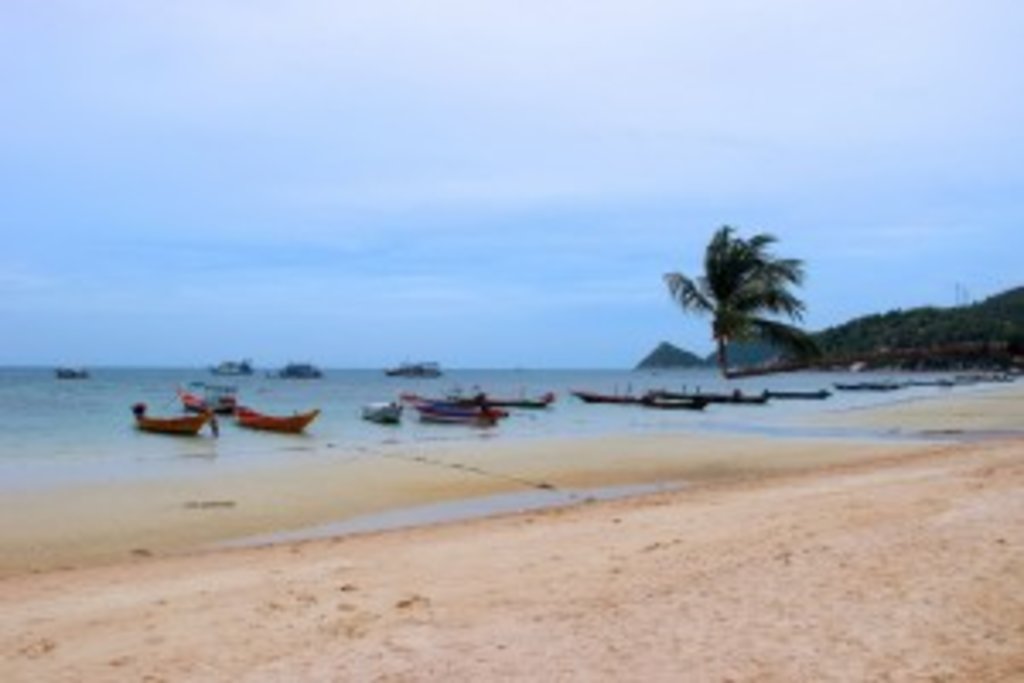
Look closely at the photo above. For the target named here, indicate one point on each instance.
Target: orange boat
(290, 424)
(188, 425)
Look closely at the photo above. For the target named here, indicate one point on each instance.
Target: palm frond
(688, 293)
(786, 337)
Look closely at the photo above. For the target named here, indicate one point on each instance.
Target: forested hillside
(998, 319)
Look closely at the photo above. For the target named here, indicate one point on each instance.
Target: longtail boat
(798, 395)
(653, 400)
(483, 399)
(541, 402)
(454, 403)
(736, 397)
(188, 425)
(449, 413)
(288, 424)
(594, 397)
(868, 386)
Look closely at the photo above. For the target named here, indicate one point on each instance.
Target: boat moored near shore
(383, 412)
(287, 424)
(188, 425)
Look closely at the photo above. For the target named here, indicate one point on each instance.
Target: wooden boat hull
(286, 424)
(539, 403)
(868, 386)
(175, 426)
(798, 395)
(592, 397)
(673, 403)
(733, 398)
(447, 413)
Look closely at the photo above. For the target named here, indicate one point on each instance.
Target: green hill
(984, 334)
(996, 320)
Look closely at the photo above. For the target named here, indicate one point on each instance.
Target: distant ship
(300, 371)
(72, 373)
(233, 368)
(415, 370)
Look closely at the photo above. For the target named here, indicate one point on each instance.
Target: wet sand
(781, 560)
(86, 525)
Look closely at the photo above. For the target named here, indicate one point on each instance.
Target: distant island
(985, 334)
(667, 356)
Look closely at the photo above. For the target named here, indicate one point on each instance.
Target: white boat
(383, 412)
(232, 368)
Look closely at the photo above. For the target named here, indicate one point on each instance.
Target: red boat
(288, 424)
(177, 426)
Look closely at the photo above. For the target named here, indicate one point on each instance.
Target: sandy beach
(776, 560)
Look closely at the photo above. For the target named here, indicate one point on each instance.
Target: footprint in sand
(414, 601)
(38, 648)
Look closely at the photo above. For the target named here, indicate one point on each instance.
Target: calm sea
(54, 430)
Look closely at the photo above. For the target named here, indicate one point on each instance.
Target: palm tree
(743, 282)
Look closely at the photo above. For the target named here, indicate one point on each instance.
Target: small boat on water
(655, 401)
(798, 395)
(300, 371)
(451, 413)
(383, 412)
(453, 406)
(188, 425)
(217, 398)
(288, 424)
(485, 399)
(71, 373)
(539, 403)
(420, 370)
(736, 397)
(595, 397)
(868, 386)
(231, 368)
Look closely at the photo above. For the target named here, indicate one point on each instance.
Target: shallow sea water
(52, 431)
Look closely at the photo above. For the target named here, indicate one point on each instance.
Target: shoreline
(93, 524)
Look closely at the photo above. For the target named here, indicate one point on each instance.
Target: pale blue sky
(484, 183)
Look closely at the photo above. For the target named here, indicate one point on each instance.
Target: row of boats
(245, 368)
(310, 371)
(943, 382)
(698, 400)
(214, 399)
(205, 401)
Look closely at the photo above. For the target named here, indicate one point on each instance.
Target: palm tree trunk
(723, 358)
